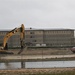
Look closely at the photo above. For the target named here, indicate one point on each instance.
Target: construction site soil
(41, 51)
(44, 51)
(48, 71)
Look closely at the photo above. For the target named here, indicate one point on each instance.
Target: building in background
(50, 37)
(34, 37)
(42, 37)
(59, 37)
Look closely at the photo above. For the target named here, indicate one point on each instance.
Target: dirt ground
(44, 51)
(38, 71)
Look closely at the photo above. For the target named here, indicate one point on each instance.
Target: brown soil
(44, 51)
(37, 71)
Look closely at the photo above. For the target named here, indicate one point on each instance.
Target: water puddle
(42, 64)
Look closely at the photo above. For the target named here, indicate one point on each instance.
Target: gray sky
(37, 13)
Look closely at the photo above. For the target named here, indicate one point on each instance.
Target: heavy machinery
(21, 30)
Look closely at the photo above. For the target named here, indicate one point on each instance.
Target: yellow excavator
(21, 30)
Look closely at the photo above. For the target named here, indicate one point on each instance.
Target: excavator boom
(21, 30)
(7, 36)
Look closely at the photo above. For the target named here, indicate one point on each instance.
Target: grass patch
(62, 73)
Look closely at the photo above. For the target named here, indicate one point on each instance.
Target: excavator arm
(11, 33)
(7, 36)
(22, 37)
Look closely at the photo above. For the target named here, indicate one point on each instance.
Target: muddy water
(43, 64)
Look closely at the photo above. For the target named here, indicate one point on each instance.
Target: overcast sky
(37, 13)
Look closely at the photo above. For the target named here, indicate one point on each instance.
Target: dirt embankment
(53, 71)
(44, 51)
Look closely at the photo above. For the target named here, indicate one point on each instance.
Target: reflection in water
(2, 66)
(43, 64)
(22, 64)
(8, 65)
(11, 65)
